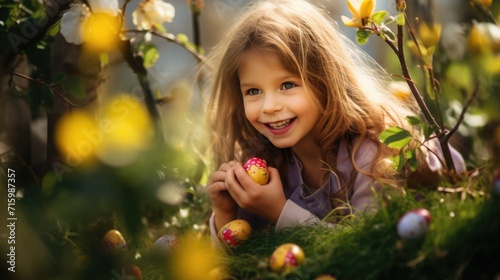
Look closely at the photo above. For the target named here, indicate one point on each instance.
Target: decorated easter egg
(496, 182)
(257, 169)
(235, 232)
(414, 223)
(166, 243)
(133, 271)
(114, 242)
(286, 258)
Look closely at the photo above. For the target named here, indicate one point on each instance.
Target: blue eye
(288, 85)
(253, 91)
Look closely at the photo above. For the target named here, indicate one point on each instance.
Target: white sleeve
(213, 231)
(294, 215)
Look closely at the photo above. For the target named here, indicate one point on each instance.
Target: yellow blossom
(484, 38)
(361, 11)
(429, 35)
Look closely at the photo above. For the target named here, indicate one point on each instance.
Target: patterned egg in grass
(235, 232)
(257, 170)
(414, 223)
(286, 258)
(165, 243)
(114, 242)
(133, 272)
(496, 182)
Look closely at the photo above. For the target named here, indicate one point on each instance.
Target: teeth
(279, 125)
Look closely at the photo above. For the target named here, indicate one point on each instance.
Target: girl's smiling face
(276, 102)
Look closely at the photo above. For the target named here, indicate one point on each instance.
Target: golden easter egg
(235, 232)
(114, 241)
(286, 258)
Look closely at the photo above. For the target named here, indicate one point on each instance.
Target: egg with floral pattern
(235, 232)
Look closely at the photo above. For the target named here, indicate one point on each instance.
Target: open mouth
(281, 124)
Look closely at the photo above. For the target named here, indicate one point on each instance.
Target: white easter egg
(414, 223)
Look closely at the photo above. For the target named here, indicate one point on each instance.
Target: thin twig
(61, 95)
(464, 110)
(171, 38)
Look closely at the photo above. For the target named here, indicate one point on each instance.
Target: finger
(225, 166)
(217, 176)
(214, 189)
(273, 174)
(234, 187)
(243, 177)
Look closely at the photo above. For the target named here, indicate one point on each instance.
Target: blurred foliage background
(111, 137)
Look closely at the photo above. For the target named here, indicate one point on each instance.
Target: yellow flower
(127, 130)
(77, 137)
(361, 11)
(429, 35)
(484, 38)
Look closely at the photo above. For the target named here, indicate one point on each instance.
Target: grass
(463, 242)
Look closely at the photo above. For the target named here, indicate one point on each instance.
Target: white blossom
(151, 12)
(104, 6)
(72, 22)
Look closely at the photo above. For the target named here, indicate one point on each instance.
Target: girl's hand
(264, 200)
(223, 205)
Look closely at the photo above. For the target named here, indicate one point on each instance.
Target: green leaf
(54, 29)
(379, 16)
(150, 54)
(400, 19)
(159, 27)
(183, 38)
(388, 32)
(74, 86)
(411, 159)
(414, 120)
(395, 137)
(47, 97)
(362, 36)
(398, 161)
(389, 20)
(103, 59)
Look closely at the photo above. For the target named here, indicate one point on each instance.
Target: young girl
(290, 89)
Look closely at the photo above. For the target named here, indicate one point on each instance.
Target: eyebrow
(284, 78)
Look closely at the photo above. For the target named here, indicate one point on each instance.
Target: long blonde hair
(349, 88)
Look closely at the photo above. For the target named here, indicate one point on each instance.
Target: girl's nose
(272, 103)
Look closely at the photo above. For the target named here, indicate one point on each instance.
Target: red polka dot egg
(257, 170)
(286, 258)
(235, 232)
